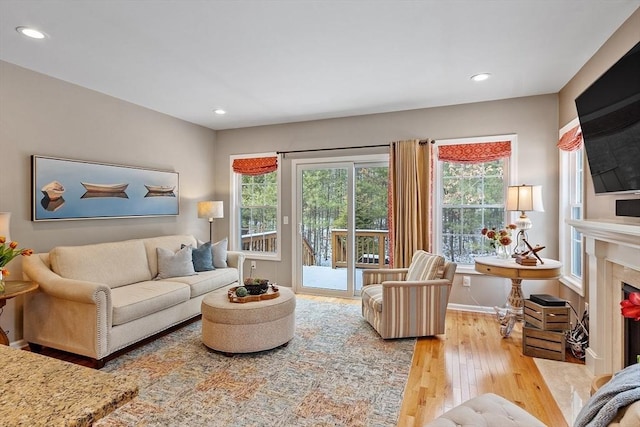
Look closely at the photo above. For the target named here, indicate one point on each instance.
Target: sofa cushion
(207, 281)
(138, 300)
(425, 266)
(168, 242)
(176, 264)
(372, 296)
(114, 264)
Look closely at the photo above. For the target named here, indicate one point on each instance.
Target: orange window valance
(255, 165)
(475, 153)
(571, 140)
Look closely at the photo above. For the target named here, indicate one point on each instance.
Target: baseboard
(473, 308)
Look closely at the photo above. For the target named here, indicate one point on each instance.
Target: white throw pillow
(174, 264)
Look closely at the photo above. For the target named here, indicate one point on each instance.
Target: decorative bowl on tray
(256, 286)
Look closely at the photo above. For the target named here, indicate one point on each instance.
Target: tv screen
(609, 114)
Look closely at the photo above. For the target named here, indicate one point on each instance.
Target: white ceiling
(278, 61)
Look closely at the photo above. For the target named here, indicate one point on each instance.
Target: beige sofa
(97, 299)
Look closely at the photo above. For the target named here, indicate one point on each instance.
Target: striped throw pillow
(424, 266)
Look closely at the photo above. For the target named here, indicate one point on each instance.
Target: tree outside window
(472, 198)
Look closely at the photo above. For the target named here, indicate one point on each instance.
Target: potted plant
(256, 286)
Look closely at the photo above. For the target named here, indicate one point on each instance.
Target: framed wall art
(65, 189)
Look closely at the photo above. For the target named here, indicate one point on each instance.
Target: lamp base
(521, 247)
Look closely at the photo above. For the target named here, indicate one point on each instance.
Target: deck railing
(371, 247)
(260, 242)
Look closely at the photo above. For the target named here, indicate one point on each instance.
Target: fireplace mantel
(613, 256)
(609, 231)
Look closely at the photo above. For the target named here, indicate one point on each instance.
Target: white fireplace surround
(612, 257)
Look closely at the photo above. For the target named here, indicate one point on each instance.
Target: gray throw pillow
(174, 264)
(202, 257)
(219, 250)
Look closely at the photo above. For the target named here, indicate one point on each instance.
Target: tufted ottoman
(247, 327)
(486, 410)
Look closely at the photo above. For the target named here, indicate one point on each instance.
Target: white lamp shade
(5, 219)
(211, 209)
(525, 198)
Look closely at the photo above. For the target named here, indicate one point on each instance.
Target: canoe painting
(160, 188)
(99, 190)
(53, 190)
(104, 188)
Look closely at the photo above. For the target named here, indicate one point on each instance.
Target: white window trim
(510, 173)
(234, 210)
(564, 230)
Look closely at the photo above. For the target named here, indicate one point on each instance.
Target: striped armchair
(408, 302)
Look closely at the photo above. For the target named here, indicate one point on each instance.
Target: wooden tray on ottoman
(272, 292)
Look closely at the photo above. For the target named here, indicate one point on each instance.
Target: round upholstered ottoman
(247, 327)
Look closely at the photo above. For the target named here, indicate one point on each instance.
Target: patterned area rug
(336, 371)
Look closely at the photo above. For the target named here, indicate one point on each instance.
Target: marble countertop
(37, 390)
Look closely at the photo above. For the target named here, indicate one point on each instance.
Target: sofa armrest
(60, 287)
(236, 259)
(52, 314)
(379, 275)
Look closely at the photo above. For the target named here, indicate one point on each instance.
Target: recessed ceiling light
(31, 32)
(219, 111)
(480, 77)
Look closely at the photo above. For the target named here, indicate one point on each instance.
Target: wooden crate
(543, 344)
(546, 318)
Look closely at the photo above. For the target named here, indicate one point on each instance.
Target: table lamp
(211, 210)
(524, 198)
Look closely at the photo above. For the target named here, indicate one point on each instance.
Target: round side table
(509, 268)
(13, 289)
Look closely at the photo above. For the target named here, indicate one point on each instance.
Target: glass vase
(502, 252)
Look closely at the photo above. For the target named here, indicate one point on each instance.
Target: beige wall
(533, 119)
(601, 206)
(45, 116)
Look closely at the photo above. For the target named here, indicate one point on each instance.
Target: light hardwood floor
(470, 359)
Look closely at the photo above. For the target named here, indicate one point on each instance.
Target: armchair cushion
(425, 266)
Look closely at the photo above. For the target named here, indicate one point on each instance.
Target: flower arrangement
(630, 308)
(9, 252)
(500, 237)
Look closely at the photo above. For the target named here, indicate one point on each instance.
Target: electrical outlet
(253, 265)
(586, 307)
(466, 281)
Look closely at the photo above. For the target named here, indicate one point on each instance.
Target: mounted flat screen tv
(609, 114)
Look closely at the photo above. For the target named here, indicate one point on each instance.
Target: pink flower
(630, 308)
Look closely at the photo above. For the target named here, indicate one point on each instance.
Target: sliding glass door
(341, 216)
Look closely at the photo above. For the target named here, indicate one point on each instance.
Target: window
(470, 188)
(571, 196)
(256, 205)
